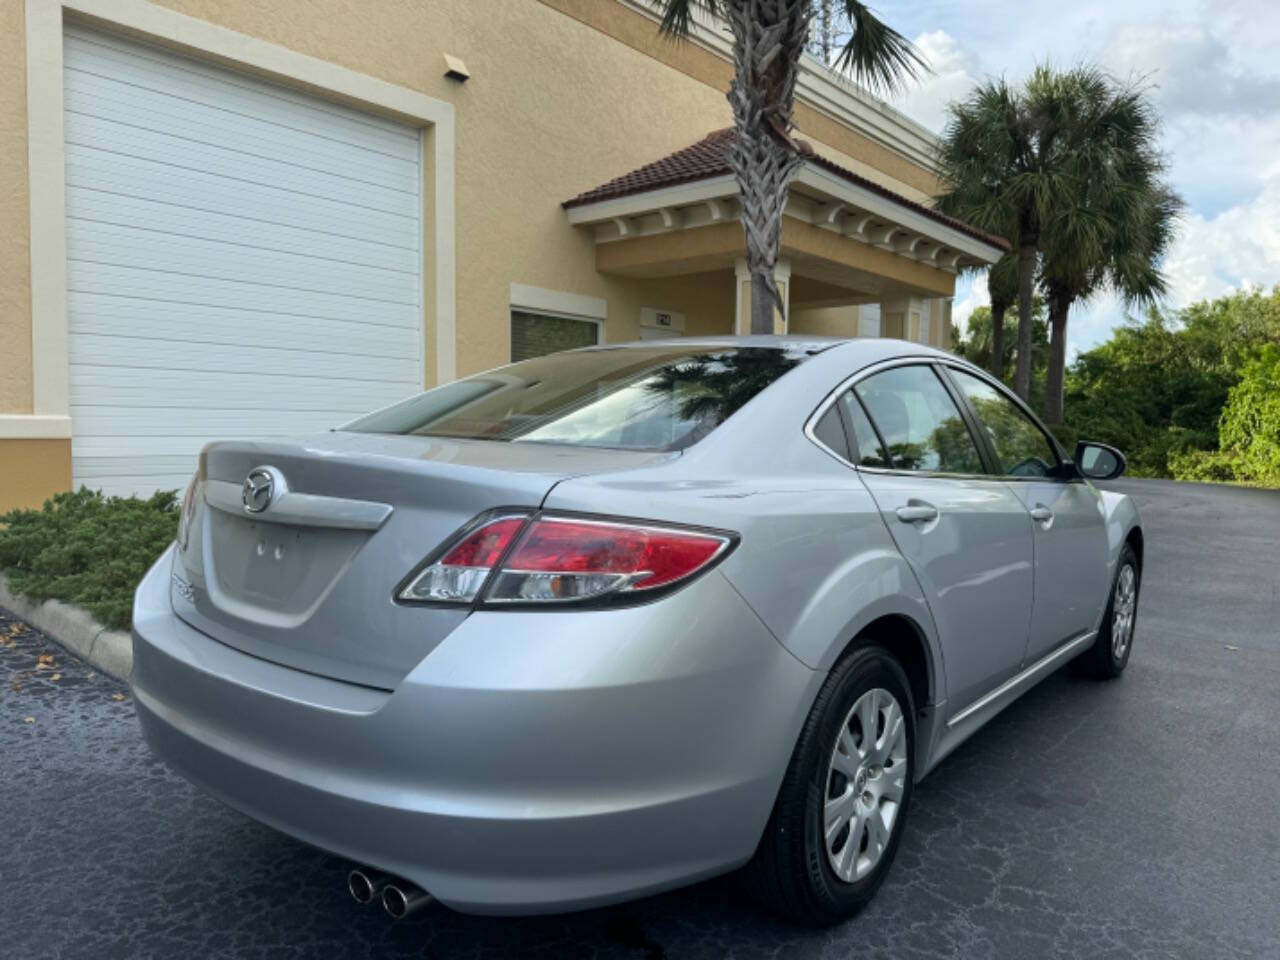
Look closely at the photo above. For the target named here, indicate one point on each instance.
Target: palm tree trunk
(768, 38)
(1059, 307)
(998, 309)
(1026, 280)
(762, 305)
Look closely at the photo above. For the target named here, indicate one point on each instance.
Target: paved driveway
(1134, 819)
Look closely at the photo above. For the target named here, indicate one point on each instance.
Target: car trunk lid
(308, 581)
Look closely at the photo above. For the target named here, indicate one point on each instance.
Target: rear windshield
(659, 398)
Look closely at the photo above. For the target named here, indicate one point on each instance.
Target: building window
(537, 334)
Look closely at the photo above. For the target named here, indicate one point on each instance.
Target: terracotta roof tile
(708, 158)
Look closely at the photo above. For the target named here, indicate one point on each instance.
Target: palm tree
(1116, 233)
(768, 39)
(1016, 159)
(979, 156)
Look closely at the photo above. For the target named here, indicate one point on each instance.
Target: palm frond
(877, 55)
(677, 15)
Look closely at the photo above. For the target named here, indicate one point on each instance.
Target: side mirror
(1097, 461)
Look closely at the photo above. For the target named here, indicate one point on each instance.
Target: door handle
(1041, 513)
(917, 513)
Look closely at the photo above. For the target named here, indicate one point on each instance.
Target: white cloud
(1215, 80)
(954, 72)
(1239, 247)
(971, 293)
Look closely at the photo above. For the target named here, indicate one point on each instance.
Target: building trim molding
(541, 300)
(30, 426)
(149, 22)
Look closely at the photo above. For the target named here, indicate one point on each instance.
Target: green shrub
(1250, 427)
(87, 549)
(1204, 466)
(1248, 433)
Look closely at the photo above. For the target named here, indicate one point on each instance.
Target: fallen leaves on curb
(117, 696)
(56, 676)
(28, 719)
(45, 662)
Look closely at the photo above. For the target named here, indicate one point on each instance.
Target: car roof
(856, 350)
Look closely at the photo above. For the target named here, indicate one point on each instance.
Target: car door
(1066, 516)
(963, 531)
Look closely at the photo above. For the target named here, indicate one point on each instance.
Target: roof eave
(843, 204)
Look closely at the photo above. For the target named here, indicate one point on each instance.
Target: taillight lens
(458, 575)
(564, 559)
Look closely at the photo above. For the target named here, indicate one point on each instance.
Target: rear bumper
(531, 762)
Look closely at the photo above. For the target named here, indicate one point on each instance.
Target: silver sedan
(605, 622)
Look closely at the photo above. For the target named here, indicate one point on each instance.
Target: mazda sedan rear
(602, 623)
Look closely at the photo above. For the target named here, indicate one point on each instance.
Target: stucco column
(742, 300)
(900, 317)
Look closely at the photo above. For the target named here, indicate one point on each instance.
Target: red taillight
(561, 559)
(485, 546)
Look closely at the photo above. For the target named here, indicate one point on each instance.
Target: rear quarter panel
(815, 561)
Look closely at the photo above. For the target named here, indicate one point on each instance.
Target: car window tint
(633, 398)
(919, 421)
(1021, 447)
(870, 453)
(830, 432)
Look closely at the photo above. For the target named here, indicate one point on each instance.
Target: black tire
(791, 873)
(1102, 661)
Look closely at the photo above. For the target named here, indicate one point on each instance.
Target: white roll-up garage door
(244, 260)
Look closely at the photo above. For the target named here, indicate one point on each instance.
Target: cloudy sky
(1215, 77)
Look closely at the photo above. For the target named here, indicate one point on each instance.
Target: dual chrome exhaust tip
(399, 897)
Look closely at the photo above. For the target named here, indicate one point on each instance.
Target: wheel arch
(904, 638)
(1134, 539)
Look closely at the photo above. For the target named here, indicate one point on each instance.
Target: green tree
(1115, 234)
(768, 39)
(979, 341)
(1158, 387)
(1250, 428)
(1249, 431)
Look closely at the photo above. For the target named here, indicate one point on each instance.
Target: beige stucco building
(238, 217)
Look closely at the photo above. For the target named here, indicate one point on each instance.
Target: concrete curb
(111, 651)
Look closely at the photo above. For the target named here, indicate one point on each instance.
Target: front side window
(919, 422)
(660, 398)
(1021, 447)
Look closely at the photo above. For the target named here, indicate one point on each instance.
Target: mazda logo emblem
(258, 490)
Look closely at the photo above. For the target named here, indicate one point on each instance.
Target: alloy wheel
(1124, 608)
(866, 780)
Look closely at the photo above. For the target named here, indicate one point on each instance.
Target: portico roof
(695, 187)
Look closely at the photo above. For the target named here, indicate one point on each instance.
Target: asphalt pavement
(1133, 819)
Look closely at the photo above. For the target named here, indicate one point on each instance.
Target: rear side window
(919, 421)
(870, 451)
(659, 398)
(830, 431)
